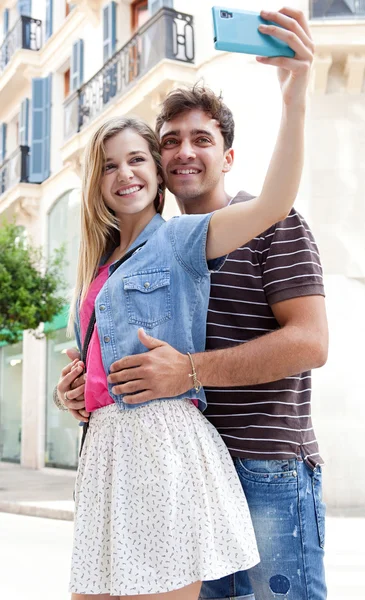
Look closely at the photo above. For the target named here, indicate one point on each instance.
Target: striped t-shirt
(271, 420)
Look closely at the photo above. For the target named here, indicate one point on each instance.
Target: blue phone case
(236, 31)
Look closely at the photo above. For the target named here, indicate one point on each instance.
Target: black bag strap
(90, 329)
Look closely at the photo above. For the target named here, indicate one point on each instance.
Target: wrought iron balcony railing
(168, 34)
(26, 34)
(337, 9)
(14, 169)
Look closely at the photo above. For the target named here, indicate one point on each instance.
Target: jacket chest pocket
(148, 297)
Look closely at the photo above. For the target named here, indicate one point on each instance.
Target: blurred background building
(66, 66)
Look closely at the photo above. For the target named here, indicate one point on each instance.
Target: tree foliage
(30, 287)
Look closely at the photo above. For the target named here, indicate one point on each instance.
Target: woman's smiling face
(129, 180)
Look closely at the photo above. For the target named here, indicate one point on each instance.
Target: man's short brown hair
(198, 97)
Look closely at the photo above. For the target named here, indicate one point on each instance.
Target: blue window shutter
(41, 126)
(49, 18)
(25, 7)
(24, 123)
(6, 21)
(109, 30)
(77, 65)
(47, 119)
(113, 26)
(2, 142)
(155, 5)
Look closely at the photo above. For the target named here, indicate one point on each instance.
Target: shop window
(11, 373)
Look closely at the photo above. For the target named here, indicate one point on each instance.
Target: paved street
(35, 557)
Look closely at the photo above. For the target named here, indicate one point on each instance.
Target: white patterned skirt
(158, 503)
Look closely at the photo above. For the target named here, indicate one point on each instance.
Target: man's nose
(185, 152)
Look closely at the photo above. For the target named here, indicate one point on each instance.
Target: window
(64, 229)
(77, 65)
(62, 431)
(66, 79)
(11, 372)
(139, 14)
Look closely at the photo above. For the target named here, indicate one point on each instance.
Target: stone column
(33, 402)
(34, 360)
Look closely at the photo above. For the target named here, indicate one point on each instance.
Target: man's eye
(203, 140)
(170, 142)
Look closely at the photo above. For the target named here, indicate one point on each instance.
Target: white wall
(339, 398)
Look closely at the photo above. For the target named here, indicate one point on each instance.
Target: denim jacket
(164, 288)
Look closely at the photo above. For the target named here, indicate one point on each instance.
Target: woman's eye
(109, 168)
(137, 159)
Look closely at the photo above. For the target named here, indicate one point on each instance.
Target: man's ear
(228, 160)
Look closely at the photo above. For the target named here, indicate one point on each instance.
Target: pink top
(96, 388)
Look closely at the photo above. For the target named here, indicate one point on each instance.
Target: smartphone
(236, 30)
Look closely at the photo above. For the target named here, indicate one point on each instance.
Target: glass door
(11, 374)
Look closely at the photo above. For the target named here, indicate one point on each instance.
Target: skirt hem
(168, 587)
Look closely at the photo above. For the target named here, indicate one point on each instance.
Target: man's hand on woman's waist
(163, 372)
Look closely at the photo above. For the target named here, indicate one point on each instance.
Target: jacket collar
(151, 227)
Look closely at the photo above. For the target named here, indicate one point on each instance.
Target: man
(266, 329)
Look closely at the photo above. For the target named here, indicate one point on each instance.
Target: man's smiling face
(193, 157)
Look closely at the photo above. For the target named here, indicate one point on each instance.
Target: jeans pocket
(267, 471)
(319, 506)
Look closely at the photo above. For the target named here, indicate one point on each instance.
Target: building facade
(67, 66)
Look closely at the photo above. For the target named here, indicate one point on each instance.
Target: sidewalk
(46, 493)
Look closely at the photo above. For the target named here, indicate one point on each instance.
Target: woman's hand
(293, 73)
(70, 390)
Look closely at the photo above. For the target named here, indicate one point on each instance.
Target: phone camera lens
(226, 15)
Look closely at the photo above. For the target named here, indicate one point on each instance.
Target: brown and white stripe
(273, 420)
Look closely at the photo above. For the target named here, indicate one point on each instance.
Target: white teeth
(186, 172)
(131, 190)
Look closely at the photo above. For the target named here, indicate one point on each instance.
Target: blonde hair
(99, 227)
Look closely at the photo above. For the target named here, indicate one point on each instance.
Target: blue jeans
(285, 501)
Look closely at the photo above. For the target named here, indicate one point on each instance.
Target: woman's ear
(159, 179)
(228, 160)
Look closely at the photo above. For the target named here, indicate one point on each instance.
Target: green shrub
(31, 287)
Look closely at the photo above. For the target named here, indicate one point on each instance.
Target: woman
(159, 507)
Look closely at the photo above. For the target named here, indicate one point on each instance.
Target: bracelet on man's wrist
(197, 385)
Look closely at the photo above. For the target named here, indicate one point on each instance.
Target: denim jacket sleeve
(188, 235)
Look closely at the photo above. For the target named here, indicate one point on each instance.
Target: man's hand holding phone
(293, 73)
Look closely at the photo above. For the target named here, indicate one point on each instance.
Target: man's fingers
(130, 387)
(283, 63)
(125, 375)
(290, 24)
(298, 16)
(128, 362)
(293, 41)
(144, 396)
(147, 340)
